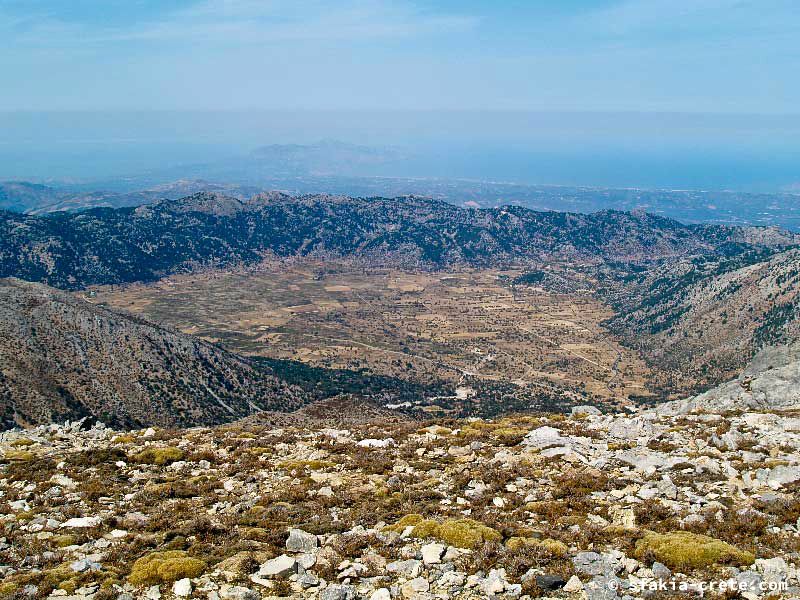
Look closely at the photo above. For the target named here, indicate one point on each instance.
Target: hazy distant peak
(19, 196)
(183, 184)
(270, 197)
(24, 185)
(213, 203)
(325, 157)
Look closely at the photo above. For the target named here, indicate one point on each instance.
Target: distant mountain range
(328, 157)
(731, 208)
(287, 161)
(32, 198)
(106, 246)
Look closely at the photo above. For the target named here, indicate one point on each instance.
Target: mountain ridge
(105, 245)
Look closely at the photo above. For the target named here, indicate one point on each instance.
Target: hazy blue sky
(733, 56)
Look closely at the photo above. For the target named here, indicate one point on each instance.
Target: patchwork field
(457, 325)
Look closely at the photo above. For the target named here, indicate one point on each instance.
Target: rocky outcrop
(770, 382)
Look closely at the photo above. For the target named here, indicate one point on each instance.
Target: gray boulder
(301, 541)
(338, 592)
(280, 566)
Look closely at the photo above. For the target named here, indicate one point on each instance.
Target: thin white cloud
(255, 22)
(37, 27)
(631, 14)
(681, 16)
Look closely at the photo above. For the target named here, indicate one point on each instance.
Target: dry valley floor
(447, 325)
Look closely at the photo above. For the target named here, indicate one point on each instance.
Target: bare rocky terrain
(585, 506)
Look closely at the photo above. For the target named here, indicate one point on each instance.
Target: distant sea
(709, 152)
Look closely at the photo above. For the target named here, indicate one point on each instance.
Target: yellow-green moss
(18, 456)
(159, 456)
(261, 450)
(466, 533)
(109, 579)
(476, 428)
(436, 430)
(509, 435)
(683, 550)
(58, 576)
(528, 421)
(517, 543)
(25, 516)
(257, 510)
(258, 534)
(69, 585)
(425, 529)
(7, 589)
(553, 548)
(537, 506)
(22, 442)
(407, 521)
(462, 533)
(165, 567)
(63, 540)
(123, 438)
(547, 547)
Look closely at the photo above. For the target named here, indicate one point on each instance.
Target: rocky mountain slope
(701, 319)
(586, 507)
(770, 381)
(63, 358)
(104, 246)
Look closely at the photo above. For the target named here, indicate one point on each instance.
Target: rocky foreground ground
(578, 506)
